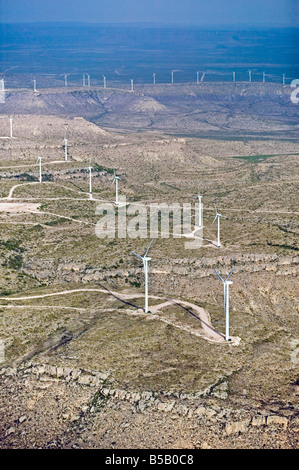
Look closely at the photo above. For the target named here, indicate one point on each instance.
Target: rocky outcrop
(199, 268)
(190, 406)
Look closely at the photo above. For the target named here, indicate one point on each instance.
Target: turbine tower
(65, 79)
(197, 77)
(199, 197)
(249, 72)
(154, 78)
(172, 76)
(88, 80)
(264, 77)
(234, 76)
(2, 84)
(218, 216)
(132, 84)
(90, 180)
(115, 180)
(65, 148)
(145, 259)
(226, 284)
(39, 160)
(10, 123)
(34, 85)
(284, 79)
(104, 79)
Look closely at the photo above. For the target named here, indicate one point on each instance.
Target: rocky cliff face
(177, 269)
(89, 412)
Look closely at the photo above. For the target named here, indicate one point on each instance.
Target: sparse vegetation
(54, 249)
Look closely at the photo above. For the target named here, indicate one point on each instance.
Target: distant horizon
(154, 24)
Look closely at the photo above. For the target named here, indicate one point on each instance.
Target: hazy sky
(194, 12)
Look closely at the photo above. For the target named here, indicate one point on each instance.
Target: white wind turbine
(34, 85)
(199, 197)
(197, 77)
(226, 284)
(10, 123)
(115, 180)
(145, 259)
(65, 148)
(218, 216)
(90, 180)
(65, 79)
(132, 84)
(104, 80)
(39, 160)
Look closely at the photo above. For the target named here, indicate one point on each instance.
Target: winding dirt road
(205, 330)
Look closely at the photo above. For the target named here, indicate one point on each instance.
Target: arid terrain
(84, 365)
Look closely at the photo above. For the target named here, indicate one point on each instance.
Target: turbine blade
(214, 219)
(149, 246)
(138, 256)
(218, 275)
(231, 272)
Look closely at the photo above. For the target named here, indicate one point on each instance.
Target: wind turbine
(145, 259)
(154, 78)
(226, 284)
(197, 77)
(234, 76)
(132, 84)
(218, 215)
(283, 79)
(105, 83)
(10, 122)
(172, 76)
(65, 79)
(88, 80)
(249, 72)
(90, 181)
(115, 180)
(199, 197)
(264, 77)
(2, 84)
(34, 85)
(39, 160)
(65, 147)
